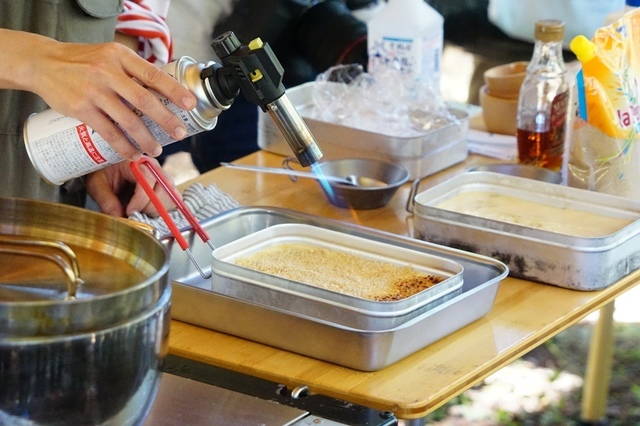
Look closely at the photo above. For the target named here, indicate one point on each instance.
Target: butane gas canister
(62, 148)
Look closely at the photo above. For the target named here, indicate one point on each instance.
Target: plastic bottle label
(415, 57)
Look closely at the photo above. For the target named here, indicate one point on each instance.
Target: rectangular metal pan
(315, 302)
(421, 155)
(194, 302)
(552, 257)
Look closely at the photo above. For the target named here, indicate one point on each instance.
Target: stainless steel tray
(422, 155)
(562, 259)
(194, 301)
(315, 302)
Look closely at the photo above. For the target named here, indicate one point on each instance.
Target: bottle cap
(549, 30)
(632, 3)
(583, 48)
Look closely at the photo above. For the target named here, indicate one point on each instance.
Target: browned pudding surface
(340, 271)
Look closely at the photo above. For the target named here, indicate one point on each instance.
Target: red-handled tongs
(175, 197)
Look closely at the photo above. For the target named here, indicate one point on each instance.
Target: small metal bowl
(520, 170)
(362, 197)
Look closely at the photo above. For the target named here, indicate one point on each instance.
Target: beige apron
(86, 21)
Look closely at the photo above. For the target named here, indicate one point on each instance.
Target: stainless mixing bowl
(362, 197)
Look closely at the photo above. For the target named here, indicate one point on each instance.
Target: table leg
(599, 362)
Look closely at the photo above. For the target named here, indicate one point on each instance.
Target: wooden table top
(524, 314)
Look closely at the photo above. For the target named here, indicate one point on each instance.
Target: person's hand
(117, 192)
(90, 82)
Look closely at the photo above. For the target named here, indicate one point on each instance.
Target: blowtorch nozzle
(257, 74)
(295, 131)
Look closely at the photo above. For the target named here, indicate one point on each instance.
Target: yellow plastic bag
(603, 153)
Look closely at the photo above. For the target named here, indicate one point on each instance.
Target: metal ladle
(352, 180)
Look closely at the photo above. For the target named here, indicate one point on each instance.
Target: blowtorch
(254, 71)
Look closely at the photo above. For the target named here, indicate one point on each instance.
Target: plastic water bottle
(407, 34)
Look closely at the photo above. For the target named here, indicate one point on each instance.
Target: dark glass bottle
(543, 103)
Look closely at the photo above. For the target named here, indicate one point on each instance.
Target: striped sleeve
(154, 37)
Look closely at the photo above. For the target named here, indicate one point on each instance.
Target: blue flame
(315, 168)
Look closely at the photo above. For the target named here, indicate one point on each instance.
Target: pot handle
(177, 201)
(144, 227)
(69, 265)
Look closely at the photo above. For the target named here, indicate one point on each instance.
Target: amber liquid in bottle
(539, 149)
(545, 148)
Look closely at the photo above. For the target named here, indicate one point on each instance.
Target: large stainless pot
(92, 359)
(105, 377)
(124, 269)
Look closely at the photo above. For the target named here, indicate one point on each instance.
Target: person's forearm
(19, 56)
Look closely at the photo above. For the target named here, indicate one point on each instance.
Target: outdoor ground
(545, 386)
